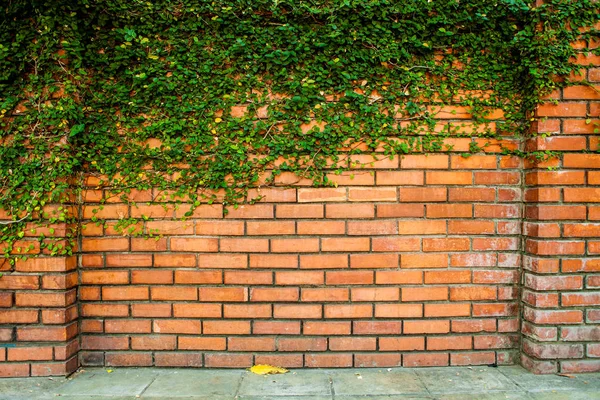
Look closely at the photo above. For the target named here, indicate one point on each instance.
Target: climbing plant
(202, 100)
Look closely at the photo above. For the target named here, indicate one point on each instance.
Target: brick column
(561, 283)
(38, 315)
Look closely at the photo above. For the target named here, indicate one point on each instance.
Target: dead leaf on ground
(264, 369)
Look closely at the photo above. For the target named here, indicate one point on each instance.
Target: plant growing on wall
(203, 100)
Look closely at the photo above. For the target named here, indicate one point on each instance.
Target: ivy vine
(202, 100)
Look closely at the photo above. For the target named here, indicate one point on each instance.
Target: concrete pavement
(456, 383)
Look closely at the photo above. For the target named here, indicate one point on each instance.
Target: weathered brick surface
(421, 260)
(38, 316)
(560, 297)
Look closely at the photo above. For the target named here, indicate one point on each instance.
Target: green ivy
(141, 94)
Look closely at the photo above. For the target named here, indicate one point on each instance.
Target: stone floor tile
(183, 383)
(99, 382)
(530, 382)
(371, 382)
(465, 380)
(307, 382)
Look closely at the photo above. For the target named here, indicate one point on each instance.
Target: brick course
(421, 260)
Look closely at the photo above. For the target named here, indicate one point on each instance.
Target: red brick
(449, 343)
(374, 261)
(396, 244)
(402, 343)
(373, 194)
(297, 311)
(201, 343)
(321, 227)
(196, 310)
(300, 211)
(273, 260)
(328, 360)
(323, 261)
(377, 360)
(283, 360)
(352, 343)
(377, 327)
(176, 326)
(254, 211)
(430, 161)
(425, 360)
(423, 194)
(398, 277)
(299, 278)
(228, 360)
(348, 311)
(237, 261)
(375, 294)
(127, 326)
(349, 211)
(195, 244)
(421, 227)
(314, 195)
(271, 227)
(277, 327)
(198, 277)
(398, 311)
(447, 310)
(177, 359)
(125, 293)
(303, 245)
(151, 277)
(248, 277)
(223, 294)
(426, 326)
(326, 328)
(175, 260)
(243, 310)
(328, 295)
(157, 342)
(399, 178)
(214, 228)
(479, 358)
(449, 210)
(302, 344)
(274, 294)
(401, 210)
(424, 293)
(345, 244)
(379, 227)
(424, 260)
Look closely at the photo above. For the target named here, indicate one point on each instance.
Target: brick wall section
(414, 262)
(561, 286)
(38, 317)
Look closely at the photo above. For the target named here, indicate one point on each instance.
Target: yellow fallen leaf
(109, 370)
(264, 369)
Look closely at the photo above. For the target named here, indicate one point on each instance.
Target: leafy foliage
(205, 99)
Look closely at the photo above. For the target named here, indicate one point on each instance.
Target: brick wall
(414, 262)
(420, 261)
(561, 286)
(38, 317)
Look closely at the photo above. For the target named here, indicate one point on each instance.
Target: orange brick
(424, 293)
(424, 260)
(424, 194)
(448, 178)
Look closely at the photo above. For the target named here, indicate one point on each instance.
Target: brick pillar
(38, 318)
(561, 283)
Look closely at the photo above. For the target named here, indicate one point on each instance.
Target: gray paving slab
(352, 382)
(284, 398)
(27, 388)
(570, 395)
(486, 396)
(530, 382)
(304, 382)
(181, 383)
(471, 380)
(384, 397)
(100, 382)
